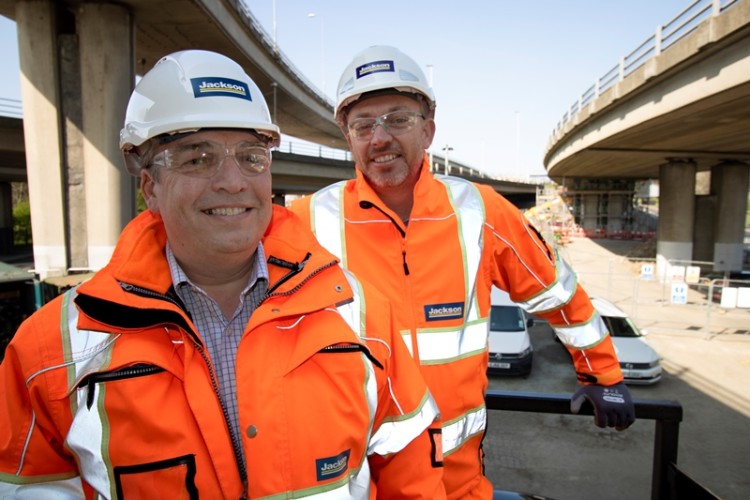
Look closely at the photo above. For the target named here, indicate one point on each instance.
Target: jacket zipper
(235, 439)
(353, 348)
(139, 370)
(367, 205)
(270, 292)
(214, 384)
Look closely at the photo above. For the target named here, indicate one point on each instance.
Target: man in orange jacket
(435, 245)
(222, 352)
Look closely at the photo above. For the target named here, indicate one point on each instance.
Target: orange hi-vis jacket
(461, 238)
(109, 388)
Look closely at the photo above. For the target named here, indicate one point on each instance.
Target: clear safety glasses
(395, 123)
(204, 158)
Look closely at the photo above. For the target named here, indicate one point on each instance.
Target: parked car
(511, 352)
(640, 363)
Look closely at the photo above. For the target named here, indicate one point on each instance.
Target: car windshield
(506, 319)
(620, 327)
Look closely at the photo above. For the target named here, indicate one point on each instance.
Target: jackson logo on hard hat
(375, 67)
(212, 86)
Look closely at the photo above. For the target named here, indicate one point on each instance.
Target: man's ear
(147, 190)
(428, 133)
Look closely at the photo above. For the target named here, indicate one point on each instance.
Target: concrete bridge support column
(729, 181)
(107, 79)
(36, 22)
(676, 213)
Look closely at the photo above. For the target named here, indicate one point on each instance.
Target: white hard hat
(188, 91)
(380, 67)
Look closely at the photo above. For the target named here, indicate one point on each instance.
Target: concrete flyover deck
(226, 26)
(689, 102)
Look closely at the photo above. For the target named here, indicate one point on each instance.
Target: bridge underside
(707, 132)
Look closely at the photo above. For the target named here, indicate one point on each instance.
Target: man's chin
(385, 178)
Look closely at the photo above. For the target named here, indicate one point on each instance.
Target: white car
(639, 362)
(511, 352)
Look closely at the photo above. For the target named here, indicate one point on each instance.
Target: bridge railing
(310, 149)
(273, 48)
(10, 107)
(663, 38)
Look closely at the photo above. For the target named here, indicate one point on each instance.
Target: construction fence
(679, 300)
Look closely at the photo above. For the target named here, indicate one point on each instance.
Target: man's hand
(612, 405)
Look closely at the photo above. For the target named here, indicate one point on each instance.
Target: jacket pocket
(173, 478)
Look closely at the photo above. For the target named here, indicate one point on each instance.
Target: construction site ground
(706, 359)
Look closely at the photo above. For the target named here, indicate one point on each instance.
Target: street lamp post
(447, 150)
(275, 46)
(274, 86)
(322, 51)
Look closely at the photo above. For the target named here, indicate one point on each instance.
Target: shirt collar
(180, 279)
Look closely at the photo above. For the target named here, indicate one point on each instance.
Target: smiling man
(222, 352)
(435, 245)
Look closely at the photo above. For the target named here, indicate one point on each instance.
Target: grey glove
(613, 406)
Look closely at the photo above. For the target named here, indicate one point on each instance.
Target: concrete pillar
(36, 22)
(704, 226)
(75, 194)
(107, 78)
(731, 179)
(676, 212)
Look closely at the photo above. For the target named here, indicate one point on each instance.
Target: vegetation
(22, 223)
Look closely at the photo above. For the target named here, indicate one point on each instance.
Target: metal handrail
(666, 36)
(666, 414)
(10, 107)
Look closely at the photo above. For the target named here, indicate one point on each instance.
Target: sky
(503, 72)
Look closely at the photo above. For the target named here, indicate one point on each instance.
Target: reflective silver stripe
(458, 431)
(468, 206)
(356, 485)
(585, 335)
(325, 208)
(395, 435)
(354, 312)
(558, 294)
(438, 346)
(63, 489)
(90, 351)
(392, 436)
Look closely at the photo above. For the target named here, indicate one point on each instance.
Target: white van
(511, 352)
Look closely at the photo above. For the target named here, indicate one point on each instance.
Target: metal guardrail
(272, 47)
(10, 107)
(664, 37)
(667, 481)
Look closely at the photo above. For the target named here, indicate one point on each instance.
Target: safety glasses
(203, 158)
(395, 123)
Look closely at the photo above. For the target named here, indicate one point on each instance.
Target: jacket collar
(139, 260)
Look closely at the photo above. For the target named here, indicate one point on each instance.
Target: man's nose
(379, 133)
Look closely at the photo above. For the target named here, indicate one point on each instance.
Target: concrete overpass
(298, 168)
(677, 105)
(79, 61)
(145, 30)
